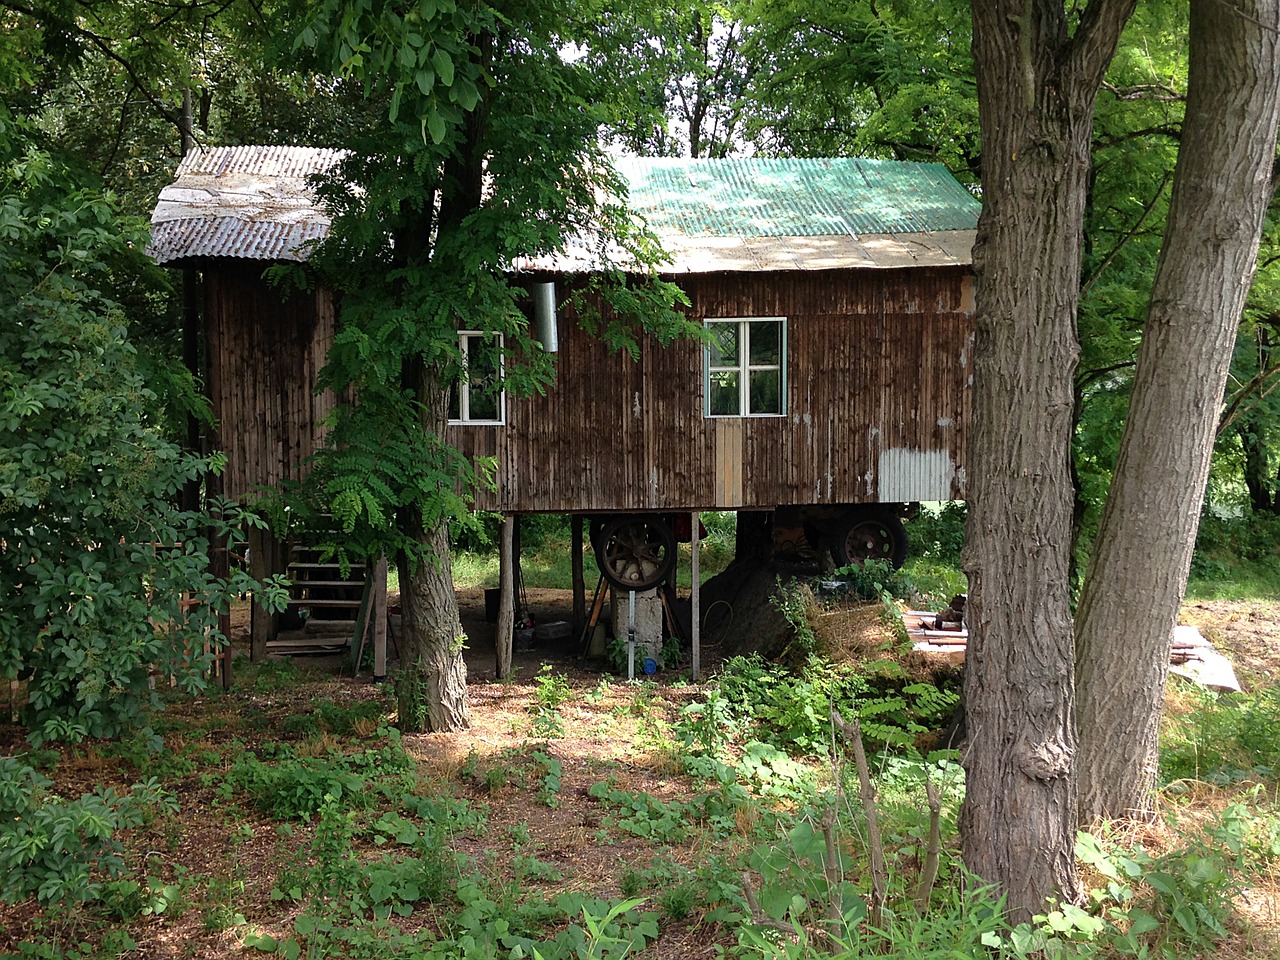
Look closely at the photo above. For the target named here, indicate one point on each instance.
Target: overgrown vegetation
(756, 834)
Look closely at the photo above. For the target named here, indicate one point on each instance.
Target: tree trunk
(431, 687)
(1036, 90)
(1138, 570)
(1257, 474)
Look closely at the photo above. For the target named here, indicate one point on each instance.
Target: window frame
(744, 367)
(463, 384)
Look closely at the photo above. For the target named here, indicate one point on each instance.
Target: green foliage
(97, 560)
(795, 602)
(863, 79)
(551, 690)
(1178, 904)
(1236, 557)
(877, 580)
(791, 709)
(288, 787)
(59, 851)
(552, 773)
(466, 93)
(1224, 738)
(937, 532)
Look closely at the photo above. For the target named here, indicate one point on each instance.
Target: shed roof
(709, 215)
(251, 202)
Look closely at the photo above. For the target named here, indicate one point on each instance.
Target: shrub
(54, 849)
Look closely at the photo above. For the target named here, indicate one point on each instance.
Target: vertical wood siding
(264, 355)
(878, 368)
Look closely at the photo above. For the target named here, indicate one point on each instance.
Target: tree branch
(1129, 235)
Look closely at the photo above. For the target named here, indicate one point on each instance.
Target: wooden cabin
(837, 293)
(831, 392)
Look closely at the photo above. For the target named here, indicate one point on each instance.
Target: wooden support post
(579, 580)
(506, 600)
(378, 610)
(262, 564)
(695, 597)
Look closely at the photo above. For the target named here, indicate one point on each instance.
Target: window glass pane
(766, 391)
(766, 342)
(724, 344)
(484, 400)
(481, 380)
(722, 392)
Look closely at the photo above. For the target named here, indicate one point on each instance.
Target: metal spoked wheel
(635, 552)
(860, 537)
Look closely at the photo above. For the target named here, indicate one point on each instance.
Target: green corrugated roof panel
(797, 198)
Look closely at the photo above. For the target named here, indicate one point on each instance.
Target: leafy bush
(938, 534)
(551, 690)
(289, 787)
(57, 850)
(791, 710)
(1171, 906)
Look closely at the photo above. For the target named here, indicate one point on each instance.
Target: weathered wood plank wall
(878, 366)
(266, 349)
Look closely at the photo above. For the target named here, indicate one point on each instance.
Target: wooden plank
(380, 620)
(502, 637)
(728, 460)
(695, 598)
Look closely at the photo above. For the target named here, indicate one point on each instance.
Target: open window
(478, 396)
(745, 364)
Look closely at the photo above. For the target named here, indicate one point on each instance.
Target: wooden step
(350, 584)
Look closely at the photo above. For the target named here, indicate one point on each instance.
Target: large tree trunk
(431, 686)
(1036, 89)
(1138, 569)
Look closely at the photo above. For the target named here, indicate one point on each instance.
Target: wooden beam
(264, 553)
(506, 600)
(579, 580)
(378, 610)
(695, 596)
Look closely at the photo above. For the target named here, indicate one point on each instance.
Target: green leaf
(444, 66)
(262, 941)
(435, 126)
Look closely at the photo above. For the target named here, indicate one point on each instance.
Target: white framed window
(745, 367)
(477, 396)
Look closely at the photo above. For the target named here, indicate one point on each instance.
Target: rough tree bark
(1036, 88)
(1138, 568)
(431, 685)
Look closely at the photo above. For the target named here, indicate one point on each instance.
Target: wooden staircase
(330, 605)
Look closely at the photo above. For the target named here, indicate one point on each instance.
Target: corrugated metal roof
(709, 215)
(796, 198)
(250, 202)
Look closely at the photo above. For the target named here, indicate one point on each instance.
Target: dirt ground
(236, 853)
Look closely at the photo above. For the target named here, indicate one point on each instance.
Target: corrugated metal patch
(229, 237)
(246, 202)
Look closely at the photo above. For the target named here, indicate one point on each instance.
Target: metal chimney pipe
(544, 316)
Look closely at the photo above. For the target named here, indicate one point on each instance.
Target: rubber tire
(881, 529)
(619, 537)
